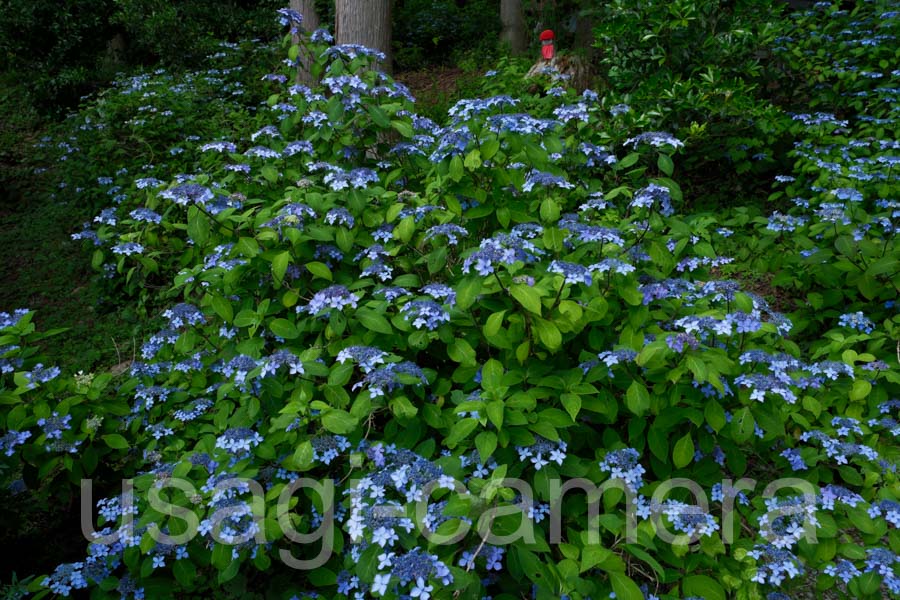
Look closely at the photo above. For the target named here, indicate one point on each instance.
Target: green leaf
(473, 160)
(628, 161)
(665, 164)
(462, 352)
(593, 555)
(467, 291)
(198, 226)
(403, 408)
(248, 247)
(279, 266)
(715, 415)
(456, 168)
(405, 229)
(319, 270)
(223, 308)
(116, 441)
(572, 404)
(683, 453)
(861, 388)
(489, 149)
(460, 430)
(742, 425)
(549, 211)
(651, 353)
(379, 117)
(486, 442)
(527, 296)
(185, 573)
(494, 411)
(339, 421)
(624, 587)
(491, 375)
(403, 128)
(548, 333)
(637, 398)
(697, 367)
(374, 321)
(493, 324)
(645, 556)
(284, 329)
(702, 586)
(270, 173)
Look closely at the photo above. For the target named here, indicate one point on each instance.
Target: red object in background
(547, 44)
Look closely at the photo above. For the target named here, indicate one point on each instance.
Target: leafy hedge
(390, 343)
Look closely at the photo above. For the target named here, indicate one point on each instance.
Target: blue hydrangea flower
(335, 297)
(571, 272)
(656, 139)
(183, 314)
(543, 179)
(425, 313)
(366, 357)
(857, 321)
(623, 464)
(238, 440)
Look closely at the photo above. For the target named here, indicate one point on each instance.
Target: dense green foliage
(705, 72)
(429, 32)
(61, 51)
(432, 327)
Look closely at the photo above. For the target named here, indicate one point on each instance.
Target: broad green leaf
(223, 308)
(491, 375)
(715, 415)
(279, 266)
(320, 270)
(461, 351)
(637, 398)
(116, 441)
(460, 430)
(624, 587)
(473, 160)
(527, 296)
(548, 333)
(683, 453)
(493, 323)
(467, 291)
(339, 421)
(665, 164)
(572, 404)
(702, 586)
(284, 329)
(373, 321)
(742, 425)
(593, 555)
(198, 226)
(486, 442)
(489, 148)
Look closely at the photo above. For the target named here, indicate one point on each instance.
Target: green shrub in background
(179, 34)
(56, 49)
(410, 311)
(698, 68)
(438, 32)
(61, 51)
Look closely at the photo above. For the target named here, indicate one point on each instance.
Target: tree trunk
(584, 37)
(365, 22)
(513, 21)
(307, 8)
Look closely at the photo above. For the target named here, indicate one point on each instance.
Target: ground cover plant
(388, 347)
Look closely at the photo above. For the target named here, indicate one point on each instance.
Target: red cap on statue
(547, 44)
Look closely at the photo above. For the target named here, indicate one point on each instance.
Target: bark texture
(307, 8)
(366, 22)
(513, 20)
